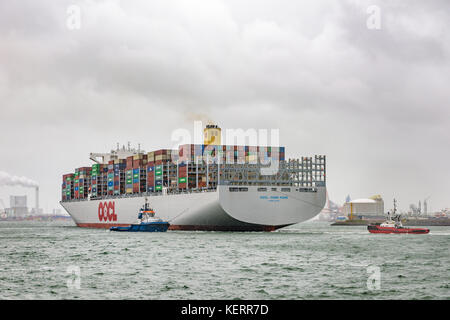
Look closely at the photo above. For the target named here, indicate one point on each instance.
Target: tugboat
(147, 222)
(394, 225)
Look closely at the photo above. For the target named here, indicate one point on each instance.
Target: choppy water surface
(42, 260)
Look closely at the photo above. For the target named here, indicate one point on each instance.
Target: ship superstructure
(199, 187)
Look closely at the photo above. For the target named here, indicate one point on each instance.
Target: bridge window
(285, 189)
(307, 190)
(233, 189)
(274, 189)
(262, 189)
(243, 189)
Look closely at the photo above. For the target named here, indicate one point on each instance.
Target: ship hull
(144, 227)
(379, 229)
(218, 210)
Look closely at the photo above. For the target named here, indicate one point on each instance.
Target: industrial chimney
(37, 200)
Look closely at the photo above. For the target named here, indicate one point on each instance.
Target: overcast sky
(375, 101)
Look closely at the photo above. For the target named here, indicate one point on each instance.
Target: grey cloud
(312, 69)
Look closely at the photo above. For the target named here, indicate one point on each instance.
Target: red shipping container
(67, 176)
(130, 162)
(160, 152)
(137, 164)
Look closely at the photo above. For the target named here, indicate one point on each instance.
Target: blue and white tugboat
(147, 222)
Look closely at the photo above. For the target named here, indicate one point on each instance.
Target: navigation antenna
(397, 217)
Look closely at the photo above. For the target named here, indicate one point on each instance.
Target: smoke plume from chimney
(9, 180)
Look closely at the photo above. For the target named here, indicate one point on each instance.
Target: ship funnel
(212, 135)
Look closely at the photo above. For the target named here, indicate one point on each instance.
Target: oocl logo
(107, 211)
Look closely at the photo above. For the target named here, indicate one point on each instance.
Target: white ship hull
(220, 210)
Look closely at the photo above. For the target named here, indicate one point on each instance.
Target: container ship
(210, 187)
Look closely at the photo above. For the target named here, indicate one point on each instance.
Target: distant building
(365, 208)
(18, 207)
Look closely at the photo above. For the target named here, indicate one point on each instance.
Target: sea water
(313, 260)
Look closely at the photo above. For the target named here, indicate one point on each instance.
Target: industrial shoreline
(405, 222)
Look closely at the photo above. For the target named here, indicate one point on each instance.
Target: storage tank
(365, 208)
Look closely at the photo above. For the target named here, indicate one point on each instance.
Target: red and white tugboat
(394, 225)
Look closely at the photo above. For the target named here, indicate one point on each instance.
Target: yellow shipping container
(251, 159)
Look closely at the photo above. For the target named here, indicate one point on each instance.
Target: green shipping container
(158, 188)
(182, 180)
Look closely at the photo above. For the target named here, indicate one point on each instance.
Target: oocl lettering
(107, 211)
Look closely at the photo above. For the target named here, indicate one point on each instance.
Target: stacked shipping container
(68, 186)
(150, 172)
